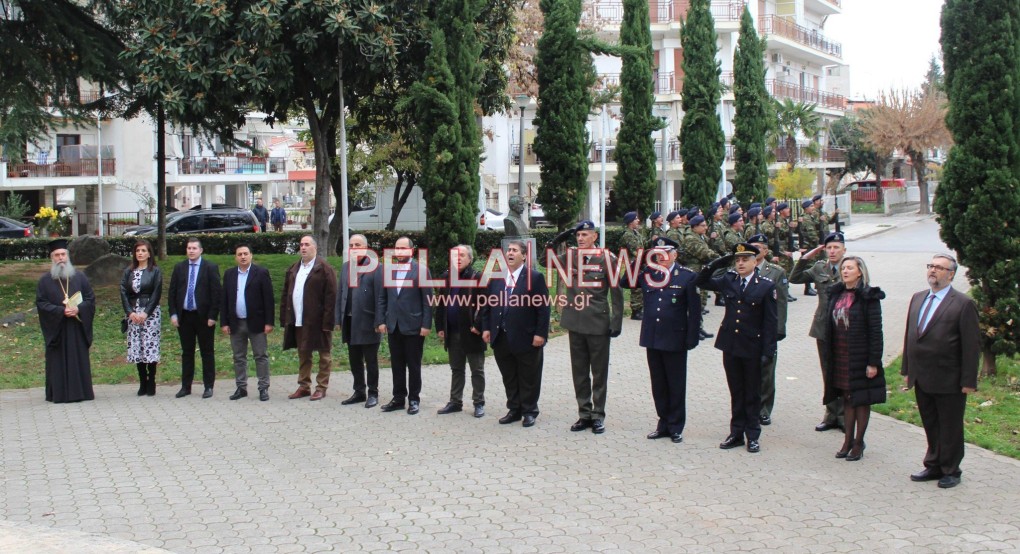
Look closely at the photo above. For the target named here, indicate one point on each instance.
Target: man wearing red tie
(940, 361)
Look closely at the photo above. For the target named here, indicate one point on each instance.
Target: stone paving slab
(198, 476)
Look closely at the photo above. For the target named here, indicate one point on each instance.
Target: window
(186, 224)
(216, 221)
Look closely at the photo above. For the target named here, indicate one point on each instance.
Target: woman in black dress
(854, 369)
(140, 291)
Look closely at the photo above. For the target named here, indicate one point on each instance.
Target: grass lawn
(867, 208)
(21, 365)
(992, 420)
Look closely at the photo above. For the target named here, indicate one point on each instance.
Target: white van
(373, 214)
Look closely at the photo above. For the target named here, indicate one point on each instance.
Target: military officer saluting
(776, 274)
(593, 315)
(668, 331)
(747, 337)
(633, 240)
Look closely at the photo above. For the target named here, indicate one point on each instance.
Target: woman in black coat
(140, 291)
(854, 336)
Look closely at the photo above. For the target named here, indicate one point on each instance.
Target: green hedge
(272, 243)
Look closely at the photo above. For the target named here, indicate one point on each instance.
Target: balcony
(232, 165)
(782, 27)
(530, 158)
(825, 155)
(77, 168)
(606, 80)
(610, 12)
(84, 97)
(665, 83)
(823, 99)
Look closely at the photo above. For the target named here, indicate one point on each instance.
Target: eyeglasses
(938, 267)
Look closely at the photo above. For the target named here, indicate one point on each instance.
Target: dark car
(11, 229)
(217, 220)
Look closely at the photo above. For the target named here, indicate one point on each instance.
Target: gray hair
(949, 259)
(359, 236)
(523, 245)
(315, 243)
(62, 271)
(470, 251)
(865, 279)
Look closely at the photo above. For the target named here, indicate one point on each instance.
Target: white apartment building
(803, 64)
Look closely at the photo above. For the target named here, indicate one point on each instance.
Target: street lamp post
(522, 103)
(602, 182)
(666, 194)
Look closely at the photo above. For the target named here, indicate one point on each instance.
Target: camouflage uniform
(768, 372)
(634, 240)
(809, 232)
(717, 244)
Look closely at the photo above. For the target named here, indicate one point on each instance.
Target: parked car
(217, 220)
(538, 217)
(12, 229)
(491, 220)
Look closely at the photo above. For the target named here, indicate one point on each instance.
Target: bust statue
(515, 225)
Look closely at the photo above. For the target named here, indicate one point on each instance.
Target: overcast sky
(887, 43)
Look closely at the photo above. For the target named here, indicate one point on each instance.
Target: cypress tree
(702, 142)
(634, 185)
(565, 77)
(977, 203)
(753, 115)
(448, 140)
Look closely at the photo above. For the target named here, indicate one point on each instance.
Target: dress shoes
(580, 425)
(392, 406)
(450, 408)
(657, 434)
(207, 393)
(372, 402)
(826, 426)
(239, 393)
(412, 407)
(529, 420)
(597, 426)
(636, 316)
(183, 392)
(300, 393)
(765, 420)
(753, 446)
(480, 410)
(677, 438)
(510, 417)
(926, 474)
(732, 441)
(854, 456)
(810, 292)
(948, 481)
(318, 395)
(704, 312)
(791, 298)
(263, 394)
(353, 399)
(702, 334)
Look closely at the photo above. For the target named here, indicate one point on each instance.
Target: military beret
(745, 249)
(672, 216)
(782, 206)
(585, 225)
(754, 212)
(755, 205)
(714, 207)
(806, 204)
(734, 218)
(697, 220)
(816, 198)
(664, 243)
(734, 208)
(725, 201)
(767, 211)
(770, 200)
(655, 215)
(835, 237)
(694, 212)
(758, 239)
(629, 217)
(682, 212)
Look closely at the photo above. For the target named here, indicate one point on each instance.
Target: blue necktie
(189, 299)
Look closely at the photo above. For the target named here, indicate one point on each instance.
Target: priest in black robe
(66, 307)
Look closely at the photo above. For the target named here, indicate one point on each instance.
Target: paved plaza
(129, 474)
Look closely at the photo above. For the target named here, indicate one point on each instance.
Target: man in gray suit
(593, 314)
(940, 360)
(408, 320)
(358, 316)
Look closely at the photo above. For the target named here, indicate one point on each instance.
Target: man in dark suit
(517, 327)
(669, 329)
(357, 316)
(307, 318)
(940, 360)
(195, 303)
(407, 320)
(747, 337)
(459, 326)
(247, 318)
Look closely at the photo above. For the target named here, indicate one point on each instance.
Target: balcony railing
(830, 100)
(665, 83)
(530, 158)
(672, 150)
(84, 97)
(251, 165)
(775, 25)
(79, 168)
(824, 154)
(598, 149)
(611, 11)
(606, 80)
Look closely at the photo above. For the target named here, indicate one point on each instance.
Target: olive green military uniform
(592, 316)
(784, 242)
(823, 275)
(809, 232)
(717, 244)
(634, 240)
(731, 237)
(676, 235)
(752, 229)
(695, 254)
(824, 220)
(768, 371)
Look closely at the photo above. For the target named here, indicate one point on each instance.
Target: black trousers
(405, 356)
(668, 371)
(365, 358)
(522, 376)
(743, 376)
(193, 327)
(942, 417)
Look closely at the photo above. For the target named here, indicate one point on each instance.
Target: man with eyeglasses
(940, 361)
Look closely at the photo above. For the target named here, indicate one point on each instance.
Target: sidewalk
(868, 225)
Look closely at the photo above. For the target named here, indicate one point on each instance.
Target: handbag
(123, 325)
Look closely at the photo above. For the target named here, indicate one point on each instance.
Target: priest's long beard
(62, 271)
